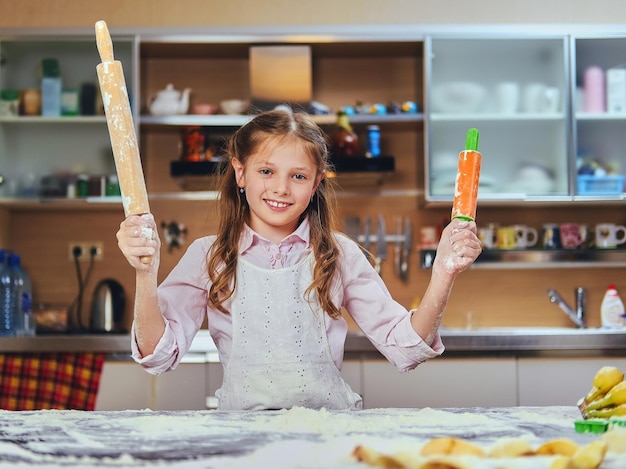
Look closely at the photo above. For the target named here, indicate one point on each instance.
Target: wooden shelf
(223, 120)
(539, 258)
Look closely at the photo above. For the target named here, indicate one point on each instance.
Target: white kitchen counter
(510, 341)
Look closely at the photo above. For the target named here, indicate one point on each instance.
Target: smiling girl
(274, 279)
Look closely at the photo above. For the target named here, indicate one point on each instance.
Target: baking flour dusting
(303, 420)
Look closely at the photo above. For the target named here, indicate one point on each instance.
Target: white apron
(280, 356)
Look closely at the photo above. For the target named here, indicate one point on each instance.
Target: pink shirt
(358, 288)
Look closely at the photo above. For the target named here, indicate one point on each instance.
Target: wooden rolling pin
(121, 127)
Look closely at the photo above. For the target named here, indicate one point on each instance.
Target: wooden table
(286, 439)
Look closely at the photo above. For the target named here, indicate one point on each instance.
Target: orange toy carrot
(467, 178)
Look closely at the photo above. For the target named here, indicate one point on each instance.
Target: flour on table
(303, 420)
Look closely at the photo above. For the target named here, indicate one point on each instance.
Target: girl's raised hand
(138, 239)
(458, 247)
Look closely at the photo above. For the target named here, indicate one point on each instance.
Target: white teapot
(169, 101)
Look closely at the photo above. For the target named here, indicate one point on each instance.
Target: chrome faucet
(578, 316)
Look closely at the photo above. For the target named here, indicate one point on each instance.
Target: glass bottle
(345, 143)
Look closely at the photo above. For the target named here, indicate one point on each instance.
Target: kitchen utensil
(506, 237)
(367, 243)
(406, 250)
(610, 235)
(525, 236)
(169, 102)
(107, 307)
(121, 128)
(458, 97)
(205, 108)
(381, 244)
(352, 227)
(507, 97)
(397, 258)
(467, 179)
(233, 106)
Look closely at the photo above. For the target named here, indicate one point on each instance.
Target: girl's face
(279, 181)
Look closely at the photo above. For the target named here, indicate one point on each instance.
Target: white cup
(507, 97)
(551, 100)
(525, 236)
(487, 237)
(533, 98)
(609, 235)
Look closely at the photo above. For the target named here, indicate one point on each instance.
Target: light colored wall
(191, 13)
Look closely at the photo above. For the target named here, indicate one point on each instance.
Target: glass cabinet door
(514, 91)
(599, 84)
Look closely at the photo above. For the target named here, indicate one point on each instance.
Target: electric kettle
(107, 307)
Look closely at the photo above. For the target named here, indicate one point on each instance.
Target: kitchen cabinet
(125, 385)
(562, 381)
(489, 382)
(599, 126)
(191, 386)
(344, 72)
(515, 91)
(475, 382)
(32, 147)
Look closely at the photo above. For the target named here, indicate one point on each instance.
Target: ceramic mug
(550, 234)
(487, 237)
(572, 235)
(609, 235)
(525, 236)
(533, 97)
(506, 237)
(429, 237)
(551, 100)
(507, 97)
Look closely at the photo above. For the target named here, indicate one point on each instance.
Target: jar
(82, 185)
(9, 103)
(30, 103)
(113, 186)
(192, 138)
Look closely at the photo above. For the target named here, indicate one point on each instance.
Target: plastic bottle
(612, 309)
(8, 297)
(373, 141)
(594, 83)
(24, 320)
(50, 88)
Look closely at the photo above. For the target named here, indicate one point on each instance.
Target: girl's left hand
(458, 247)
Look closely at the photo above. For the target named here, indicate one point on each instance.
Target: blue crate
(600, 185)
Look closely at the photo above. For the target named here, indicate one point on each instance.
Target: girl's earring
(242, 190)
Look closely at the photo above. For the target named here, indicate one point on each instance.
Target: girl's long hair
(274, 128)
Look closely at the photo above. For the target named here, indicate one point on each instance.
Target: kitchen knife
(397, 251)
(381, 244)
(121, 128)
(406, 250)
(368, 232)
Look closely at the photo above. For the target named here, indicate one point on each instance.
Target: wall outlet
(84, 249)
